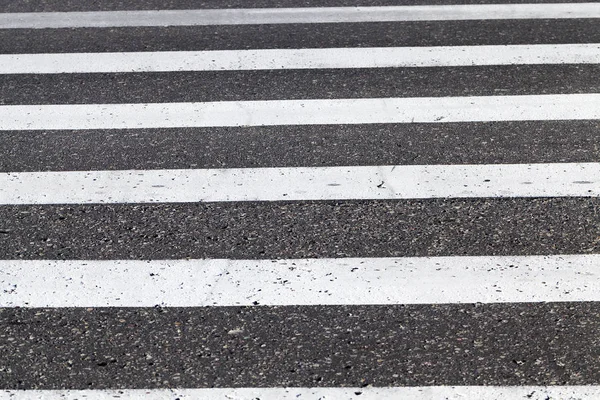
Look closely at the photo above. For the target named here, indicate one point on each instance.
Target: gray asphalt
(376, 34)
(417, 345)
(301, 146)
(298, 84)
(266, 230)
(260, 346)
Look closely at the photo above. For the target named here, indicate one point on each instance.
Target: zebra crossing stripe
(302, 112)
(269, 59)
(343, 281)
(302, 183)
(102, 19)
(357, 393)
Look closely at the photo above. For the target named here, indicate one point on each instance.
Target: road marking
(302, 112)
(369, 393)
(266, 59)
(249, 16)
(301, 183)
(350, 281)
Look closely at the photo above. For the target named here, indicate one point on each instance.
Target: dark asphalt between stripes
(150, 87)
(271, 230)
(302, 146)
(310, 346)
(290, 36)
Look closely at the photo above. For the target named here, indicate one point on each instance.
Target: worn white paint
(313, 15)
(301, 183)
(267, 59)
(344, 281)
(338, 393)
(301, 112)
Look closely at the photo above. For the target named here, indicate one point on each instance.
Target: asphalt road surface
(277, 199)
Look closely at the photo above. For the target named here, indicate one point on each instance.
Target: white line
(339, 393)
(266, 59)
(315, 15)
(301, 112)
(302, 184)
(351, 281)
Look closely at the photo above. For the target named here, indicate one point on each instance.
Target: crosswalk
(323, 199)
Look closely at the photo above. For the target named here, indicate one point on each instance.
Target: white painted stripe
(309, 183)
(367, 393)
(301, 112)
(236, 60)
(345, 281)
(314, 15)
